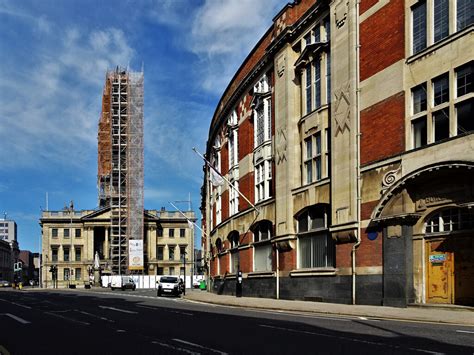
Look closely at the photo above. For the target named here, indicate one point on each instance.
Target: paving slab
(461, 316)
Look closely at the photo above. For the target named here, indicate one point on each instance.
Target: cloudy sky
(53, 59)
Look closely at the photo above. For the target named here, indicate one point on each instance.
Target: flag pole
(230, 184)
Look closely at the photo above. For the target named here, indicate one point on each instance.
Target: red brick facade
(382, 39)
(245, 141)
(247, 188)
(383, 129)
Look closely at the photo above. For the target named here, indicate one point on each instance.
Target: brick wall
(343, 255)
(369, 252)
(246, 260)
(382, 39)
(383, 129)
(246, 185)
(366, 4)
(366, 209)
(288, 260)
(225, 205)
(224, 158)
(245, 138)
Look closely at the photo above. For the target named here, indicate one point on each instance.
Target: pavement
(417, 313)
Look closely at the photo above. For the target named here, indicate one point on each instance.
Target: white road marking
(175, 347)
(18, 319)
(118, 309)
(199, 346)
(348, 338)
(363, 318)
(465, 331)
(95, 316)
(67, 318)
(16, 304)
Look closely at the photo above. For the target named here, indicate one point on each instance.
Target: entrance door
(440, 266)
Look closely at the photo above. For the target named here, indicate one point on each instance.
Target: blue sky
(53, 59)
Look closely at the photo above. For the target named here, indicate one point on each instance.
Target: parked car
(170, 285)
(5, 283)
(122, 282)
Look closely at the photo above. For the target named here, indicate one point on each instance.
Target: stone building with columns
(350, 128)
(71, 239)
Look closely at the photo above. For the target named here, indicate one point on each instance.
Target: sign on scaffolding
(135, 253)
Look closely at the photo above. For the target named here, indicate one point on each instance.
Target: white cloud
(50, 110)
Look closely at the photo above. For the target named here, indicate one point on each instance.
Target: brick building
(350, 127)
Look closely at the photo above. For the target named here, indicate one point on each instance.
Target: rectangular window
(419, 98)
(159, 271)
(160, 232)
(78, 274)
(441, 124)
(66, 254)
(419, 132)
(307, 38)
(234, 261)
(66, 274)
(441, 19)
(327, 133)
(182, 252)
(54, 232)
(317, 158)
(464, 79)
(172, 270)
(182, 232)
(263, 178)
(317, 34)
(309, 160)
(171, 233)
(328, 77)
(317, 83)
(465, 116)
(159, 252)
(78, 254)
(263, 257)
(308, 88)
(78, 233)
(419, 26)
(441, 89)
(316, 251)
(66, 232)
(170, 253)
(327, 28)
(260, 124)
(54, 254)
(465, 13)
(234, 198)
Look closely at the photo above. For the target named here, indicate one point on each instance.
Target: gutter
(358, 134)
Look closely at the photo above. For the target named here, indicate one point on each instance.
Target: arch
(416, 174)
(262, 230)
(234, 238)
(219, 245)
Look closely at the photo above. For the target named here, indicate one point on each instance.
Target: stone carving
(281, 65)
(390, 177)
(342, 110)
(243, 109)
(281, 145)
(340, 13)
(280, 24)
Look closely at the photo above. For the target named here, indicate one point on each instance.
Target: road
(100, 321)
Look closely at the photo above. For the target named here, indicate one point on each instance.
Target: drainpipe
(277, 273)
(358, 134)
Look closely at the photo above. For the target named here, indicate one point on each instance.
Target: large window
(54, 254)
(159, 253)
(54, 232)
(433, 119)
(66, 256)
(78, 252)
(430, 21)
(171, 252)
(313, 158)
(232, 122)
(66, 232)
(450, 220)
(78, 233)
(315, 246)
(233, 197)
(262, 247)
(182, 233)
(78, 274)
(263, 180)
(171, 232)
(66, 274)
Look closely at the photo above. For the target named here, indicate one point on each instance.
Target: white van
(122, 282)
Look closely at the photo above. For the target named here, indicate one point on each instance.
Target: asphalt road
(99, 321)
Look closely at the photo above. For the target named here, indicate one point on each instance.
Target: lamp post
(184, 264)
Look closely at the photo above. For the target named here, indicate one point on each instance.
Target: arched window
(262, 256)
(234, 239)
(219, 245)
(315, 245)
(450, 220)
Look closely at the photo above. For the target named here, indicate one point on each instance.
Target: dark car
(169, 285)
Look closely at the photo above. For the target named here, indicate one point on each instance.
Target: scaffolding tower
(120, 177)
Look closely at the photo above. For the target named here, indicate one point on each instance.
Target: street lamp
(184, 264)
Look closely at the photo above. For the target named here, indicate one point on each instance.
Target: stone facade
(71, 239)
(355, 145)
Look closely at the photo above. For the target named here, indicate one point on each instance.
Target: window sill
(260, 274)
(313, 272)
